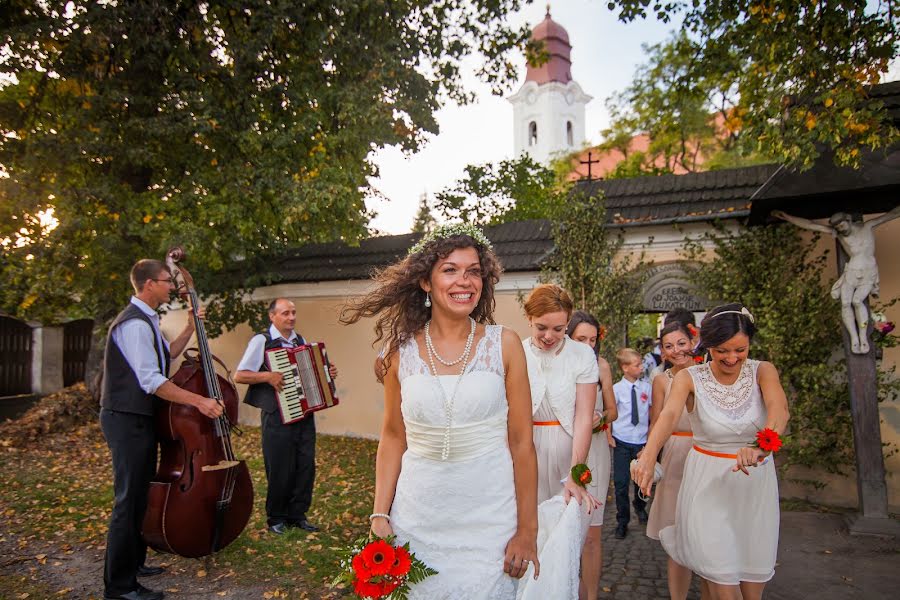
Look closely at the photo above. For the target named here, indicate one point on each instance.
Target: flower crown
(447, 231)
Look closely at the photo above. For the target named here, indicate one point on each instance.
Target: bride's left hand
(521, 550)
(581, 495)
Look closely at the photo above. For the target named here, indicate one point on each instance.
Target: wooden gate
(76, 346)
(15, 357)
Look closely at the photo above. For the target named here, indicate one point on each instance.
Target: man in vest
(135, 370)
(289, 451)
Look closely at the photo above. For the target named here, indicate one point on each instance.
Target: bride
(456, 472)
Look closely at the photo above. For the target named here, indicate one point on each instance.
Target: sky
(605, 53)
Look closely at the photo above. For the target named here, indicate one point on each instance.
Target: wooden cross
(590, 162)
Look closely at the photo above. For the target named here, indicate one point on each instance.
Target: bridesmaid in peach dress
(676, 346)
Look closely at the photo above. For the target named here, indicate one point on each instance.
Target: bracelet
(581, 474)
(374, 516)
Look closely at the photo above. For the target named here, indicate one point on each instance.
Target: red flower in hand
(768, 440)
(402, 562)
(378, 557)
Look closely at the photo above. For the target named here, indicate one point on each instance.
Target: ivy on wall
(585, 263)
(779, 277)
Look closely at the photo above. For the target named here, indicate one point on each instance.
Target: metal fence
(77, 337)
(15, 357)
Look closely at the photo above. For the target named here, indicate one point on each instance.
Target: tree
(511, 190)
(688, 117)
(792, 76)
(234, 128)
(587, 261)
(424, 221)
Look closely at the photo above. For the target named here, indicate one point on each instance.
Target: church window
(569, 135)
(532, 133)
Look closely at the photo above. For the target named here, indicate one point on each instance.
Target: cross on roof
(590, 162)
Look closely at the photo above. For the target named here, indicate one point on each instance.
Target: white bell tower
(548, 110)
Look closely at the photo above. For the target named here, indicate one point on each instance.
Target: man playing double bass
(289, 450)
(135, 370)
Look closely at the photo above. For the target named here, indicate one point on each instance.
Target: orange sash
(720, 454)
(683, 433)
(546, 423)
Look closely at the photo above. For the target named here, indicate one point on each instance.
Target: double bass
(201, 497)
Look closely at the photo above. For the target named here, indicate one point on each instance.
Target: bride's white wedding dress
(457, 514)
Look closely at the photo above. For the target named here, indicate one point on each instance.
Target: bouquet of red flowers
(379, 569)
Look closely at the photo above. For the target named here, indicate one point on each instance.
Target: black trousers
(623, 454)
(132, 441)
(289, 452)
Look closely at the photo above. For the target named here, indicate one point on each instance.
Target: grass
(61, 493)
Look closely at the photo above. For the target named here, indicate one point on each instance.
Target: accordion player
(308, 385)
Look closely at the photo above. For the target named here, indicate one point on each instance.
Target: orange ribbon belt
(719, 454)
(683, 433)
(716, 454)
(546, 423)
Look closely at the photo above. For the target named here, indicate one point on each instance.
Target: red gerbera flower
(389, 585)
(693, 330)
(367, 589)
(769, 440)
(360, 569)
(601, 333)
(402, 562)
(378, 557)
(698, 359)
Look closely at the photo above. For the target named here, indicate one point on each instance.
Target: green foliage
(584, 262)
(511, 190)
(779, 277)
(792, 77)
(236, 129)
(685, 114)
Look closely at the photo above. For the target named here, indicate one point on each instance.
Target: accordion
(308, 385)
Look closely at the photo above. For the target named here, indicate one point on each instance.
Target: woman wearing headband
(455, 473)
(727, 516)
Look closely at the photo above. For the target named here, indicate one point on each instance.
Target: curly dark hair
(398, 301)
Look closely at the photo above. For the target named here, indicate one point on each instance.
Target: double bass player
(135, 370)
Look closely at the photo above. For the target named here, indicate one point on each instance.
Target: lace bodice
(726, 417)
(479, 403)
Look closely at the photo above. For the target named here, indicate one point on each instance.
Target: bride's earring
(427, 300)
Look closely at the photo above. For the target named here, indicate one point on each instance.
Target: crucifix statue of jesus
(860, 275)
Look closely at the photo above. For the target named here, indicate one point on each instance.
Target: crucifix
(590, 162)
(857, 280)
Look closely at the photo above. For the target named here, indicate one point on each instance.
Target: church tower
(548, 110)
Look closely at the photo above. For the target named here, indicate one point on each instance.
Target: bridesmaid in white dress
(456, 469)
(563, 375)
(676, 346)
(584, 328)
(727, 516)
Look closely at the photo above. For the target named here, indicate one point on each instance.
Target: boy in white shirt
(633, 399)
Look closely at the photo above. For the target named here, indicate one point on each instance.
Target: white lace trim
(729, 401)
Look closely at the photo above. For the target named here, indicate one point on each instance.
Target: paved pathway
(817, 559)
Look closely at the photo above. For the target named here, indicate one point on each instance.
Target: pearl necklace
(432, 352)
(448, 403)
